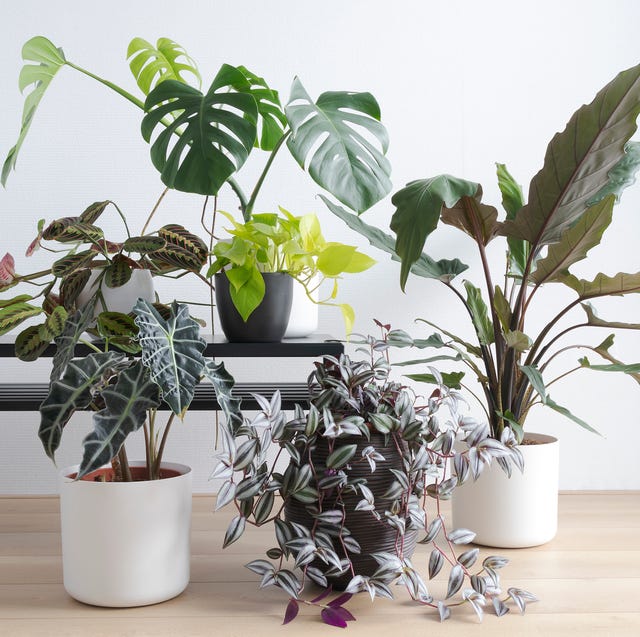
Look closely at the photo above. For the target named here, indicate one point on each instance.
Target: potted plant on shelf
(570, 203)
(92, 267)
(126, 526)
(256, 270)
(337, 138)
(349, 489)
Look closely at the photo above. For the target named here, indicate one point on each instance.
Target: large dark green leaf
(575, 242)
(166, 61)
(223, 384)
(443, 270)
(74, 328)
(512, 202)
(211, 136)
(172, 351)
(48, 60)
(126, 405)
(75, 390)
(578, 162)
(418, 208)
(479, 314)
(327, 140)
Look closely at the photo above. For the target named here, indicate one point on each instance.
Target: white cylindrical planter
(120, 299)
(303, 319)
(126, 543)
(513, 512)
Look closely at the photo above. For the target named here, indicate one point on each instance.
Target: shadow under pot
(268, 322)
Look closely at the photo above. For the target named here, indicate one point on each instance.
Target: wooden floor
(587, 579)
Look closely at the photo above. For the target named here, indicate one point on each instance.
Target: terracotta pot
(268, 322)
(372, 536)
(513, 512)
(126, 543)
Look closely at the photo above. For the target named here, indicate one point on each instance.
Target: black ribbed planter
(373, 536)
(268, 322)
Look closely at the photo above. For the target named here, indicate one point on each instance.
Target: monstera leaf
(578, 162)
(126, 405)
(48, 61)
(326, 139)
(208, 140)
(172, 351)
(75, 390)
(166, 61)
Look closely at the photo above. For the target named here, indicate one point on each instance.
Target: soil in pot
(373, 536)
(138, 474)
(268, 322)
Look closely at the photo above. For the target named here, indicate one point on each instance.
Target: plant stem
(124, 465)
(153, 212)
(160, 451)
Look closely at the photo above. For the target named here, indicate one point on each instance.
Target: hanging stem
(153, 212)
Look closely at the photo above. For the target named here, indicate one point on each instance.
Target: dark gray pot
(268, 322)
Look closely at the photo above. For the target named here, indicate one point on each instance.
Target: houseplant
(570, 203)
(125, 527)
(338, 139)
(268, 244)
(363, 464)
(88, 265)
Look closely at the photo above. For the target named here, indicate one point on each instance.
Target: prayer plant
(125, 392)
(353, 483)
(569, 206)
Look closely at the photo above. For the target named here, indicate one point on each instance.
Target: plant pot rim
(181, 469)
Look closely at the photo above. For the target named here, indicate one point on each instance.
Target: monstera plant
(569, 206)
(125, 393)
(200, 139)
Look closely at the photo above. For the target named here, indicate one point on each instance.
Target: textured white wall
(461, 85)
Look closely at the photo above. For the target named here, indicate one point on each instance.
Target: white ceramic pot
(303, 319)
(513, 512)
(120, 299)
(126, 543)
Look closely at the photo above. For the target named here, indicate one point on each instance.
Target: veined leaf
(54, 324)
(223, 384)
(593, 319)
(72, 392)
(575, 242)
(535, 378)
(172, 351)
(622, 175)
(12, 315)
(29, 344)
(145, 244)
(603, 285)
(578, 161)
(512, 202)
(214, 140)
(418, 208)
(48, 61)
(92, 213)
(118, 273)
(444, 270)
(632, 369)
(114, 324)
(341, 456)
(71, 262)
(565, 412)
(177, 235)
(74, 328)
(480, 314)
(126, 405)
(502, 308)
(166, 61)
(476, 219)
(345, 162)
(517, 340)
(449, 379)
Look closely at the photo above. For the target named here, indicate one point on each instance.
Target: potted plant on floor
(256, 270)
(126, 526)
(88, 266)
(570, 203)
(338, 138)
(349, 489)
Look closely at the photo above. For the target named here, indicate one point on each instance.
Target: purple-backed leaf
(344, 613)
(340, 600)
(332, 617)
(322, 595)
(291, 612)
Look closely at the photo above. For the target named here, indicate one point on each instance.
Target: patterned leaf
(172, 351)
(80, 232)
(29, 344)
(436, 562)
(456, 578)
(340, 456)
(223, 384)
(73, 391)
(176, 257)
(125, 411)
(48, 60)
(179, 236)
(215, 140)
(234, 531)
(57, 227)
(92, 213)
(326, 139)
(71, 262)
(72, 285)
(145, 244)
(112, 324)
(12, 315)
(54, 324)
(118, 273)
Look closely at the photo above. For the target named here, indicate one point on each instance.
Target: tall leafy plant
(200, 140)
(569, 206)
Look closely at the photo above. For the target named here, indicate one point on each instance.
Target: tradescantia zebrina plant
(350, 491)
(569, 207)
(202, 139)
(126, 393)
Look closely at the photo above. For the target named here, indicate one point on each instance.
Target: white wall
(461, 85)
